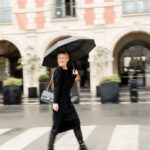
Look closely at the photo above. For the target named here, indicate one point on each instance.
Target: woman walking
(65, 116)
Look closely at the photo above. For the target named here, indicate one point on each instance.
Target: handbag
(48, 96)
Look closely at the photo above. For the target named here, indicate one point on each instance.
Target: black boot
(79, 137)
(51, 141)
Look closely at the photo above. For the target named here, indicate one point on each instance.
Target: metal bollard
(133, 91)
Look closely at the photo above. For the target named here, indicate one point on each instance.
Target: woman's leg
(51, 140)
(78, 134)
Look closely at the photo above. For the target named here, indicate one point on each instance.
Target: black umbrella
(77, 48)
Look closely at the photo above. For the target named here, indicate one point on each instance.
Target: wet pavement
(105, 127)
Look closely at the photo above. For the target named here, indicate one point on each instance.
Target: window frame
(136, 10)
(62, 6)
(4, 10)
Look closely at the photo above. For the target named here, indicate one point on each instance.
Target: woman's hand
(55, 106)
(74, 71)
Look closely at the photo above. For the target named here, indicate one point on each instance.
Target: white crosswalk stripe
(70, 141)
(125, 137)
(26, 138)
(2, 131)
(21, 141)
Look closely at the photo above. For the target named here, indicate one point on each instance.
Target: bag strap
(50, 82)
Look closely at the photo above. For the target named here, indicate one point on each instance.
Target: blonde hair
(65, 53)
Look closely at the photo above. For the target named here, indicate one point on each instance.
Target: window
(5, 11)
(136, 6)
(64, 8)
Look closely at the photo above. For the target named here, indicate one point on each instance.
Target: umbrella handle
(73, 69)
(73, 66)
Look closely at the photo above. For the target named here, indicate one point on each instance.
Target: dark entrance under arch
(134, 62)
(9, 55)
(82, 66)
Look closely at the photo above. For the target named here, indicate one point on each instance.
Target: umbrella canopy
(77, 48)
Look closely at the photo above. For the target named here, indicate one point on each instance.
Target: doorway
(9, 55)
(134, 62)
(83, 69)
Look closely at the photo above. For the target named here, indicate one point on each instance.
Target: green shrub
(43, 78)
(12, 81)
(113, 78)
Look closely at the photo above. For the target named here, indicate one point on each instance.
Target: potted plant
(109, 89)
(12, 90)
(43, 83)
(31, 63)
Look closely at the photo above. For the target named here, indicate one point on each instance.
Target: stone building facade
(121, 26)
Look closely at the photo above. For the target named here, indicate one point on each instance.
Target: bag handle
(50, 82)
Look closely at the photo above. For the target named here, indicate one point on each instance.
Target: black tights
(52, 140)
(78, 135)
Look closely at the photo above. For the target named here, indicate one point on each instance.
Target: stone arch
(17, 44)
(52, 42)
(114, 40)
(54, 38)
(20, 47)
(9, 55)
(126, 39)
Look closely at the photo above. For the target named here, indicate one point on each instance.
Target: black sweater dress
(66, 117)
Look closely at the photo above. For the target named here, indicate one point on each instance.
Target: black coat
(66, 117)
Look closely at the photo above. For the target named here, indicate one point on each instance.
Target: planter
(1, 87)
(109, 92)
(42, 87)
(11, 95)
(32, 92)
(97, 91)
